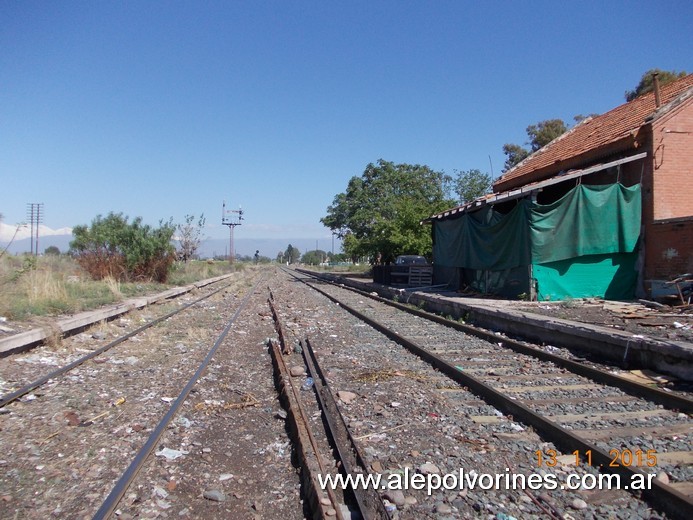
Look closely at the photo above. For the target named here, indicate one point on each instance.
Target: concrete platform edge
(25, 340)
(622, 348)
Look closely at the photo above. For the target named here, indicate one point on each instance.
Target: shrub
(112, 247)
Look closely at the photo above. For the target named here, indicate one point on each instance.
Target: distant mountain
(7, 232)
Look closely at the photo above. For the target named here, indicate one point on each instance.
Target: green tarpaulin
(588, 220)
(611, 276)
(584, 244)
(485, 240)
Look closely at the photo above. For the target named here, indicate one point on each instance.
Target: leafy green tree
(544, 132)
(539, 136)
(314, 257)
(339, 257)
(52, 250)
(190, 236)
(350, 246)
(292, 254)
(646, 83)
(514, 155)
(471, 184)
(125, 251)
(381, 211)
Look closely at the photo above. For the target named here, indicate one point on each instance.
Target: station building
(604, 210)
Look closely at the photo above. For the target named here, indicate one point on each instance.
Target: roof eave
(627, 143)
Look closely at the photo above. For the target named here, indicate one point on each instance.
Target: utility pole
(231, 218)
(34, 212)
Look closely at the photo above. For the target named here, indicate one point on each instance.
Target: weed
(53, 336)
(568, 303)
(113, 286)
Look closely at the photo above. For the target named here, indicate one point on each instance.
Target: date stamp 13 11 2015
(619, 457)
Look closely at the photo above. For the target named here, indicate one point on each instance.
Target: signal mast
(231, 218)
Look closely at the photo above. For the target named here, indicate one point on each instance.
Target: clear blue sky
(162, 109)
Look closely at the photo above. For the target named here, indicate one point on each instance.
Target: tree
(292, 254)
(190, 237)
(539, 136)
(125, 251)
(515, 154)
(314, 257)
(544, 132)
(471, 184)
(381, 211)
(646, 83)
(52, 251)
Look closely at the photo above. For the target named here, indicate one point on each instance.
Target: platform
(627, 350)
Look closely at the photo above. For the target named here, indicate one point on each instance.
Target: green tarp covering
(588, 220)
(611, 276)
(485, 240)
(584, 244)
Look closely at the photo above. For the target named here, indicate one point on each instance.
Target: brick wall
(669, 249)
(672, 151)
(668, 196)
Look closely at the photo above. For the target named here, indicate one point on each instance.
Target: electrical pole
(231, 218)
(34, 212)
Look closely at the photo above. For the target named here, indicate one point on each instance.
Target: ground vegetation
(125, 251)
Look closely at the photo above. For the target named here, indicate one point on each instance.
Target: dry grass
(56, 285)
(41, 285)
(113, 286)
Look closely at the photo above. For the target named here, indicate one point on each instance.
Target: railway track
(106, 435)
(151, 428)
(81, 359)
(629, 431)
(214, 416)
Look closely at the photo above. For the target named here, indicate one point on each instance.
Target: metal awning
(495, 198)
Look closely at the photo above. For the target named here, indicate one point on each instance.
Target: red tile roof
(612, 132)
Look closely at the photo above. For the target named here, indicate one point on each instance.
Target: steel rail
(371, 506)
(301, 419)
(111, 502)
(668, 400)
(662, 496)
(13, 396)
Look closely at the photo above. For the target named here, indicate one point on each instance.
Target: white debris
(171, 454)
